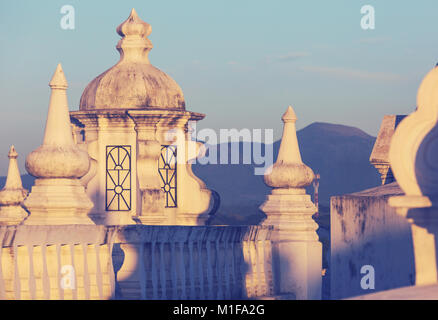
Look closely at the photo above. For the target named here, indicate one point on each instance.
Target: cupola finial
(58, 80)
(134, 45)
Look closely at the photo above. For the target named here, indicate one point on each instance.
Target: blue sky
(240, 62)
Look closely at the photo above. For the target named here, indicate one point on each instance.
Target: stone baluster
(297, 253)
(58, 196)
(13, 194)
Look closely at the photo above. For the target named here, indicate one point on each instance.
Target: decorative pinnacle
(58, 80)
(13, 180)
(58, 156)
(58, 128)
(134, 45)
(12, 153)
(289, 151)
(289, 171)
(134, 26)
(289, 115)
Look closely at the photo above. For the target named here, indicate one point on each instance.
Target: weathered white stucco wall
(366, 231)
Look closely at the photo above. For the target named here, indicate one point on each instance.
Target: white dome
(133, 83)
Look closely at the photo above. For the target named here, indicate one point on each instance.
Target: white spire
(13, 181)
(289, 210)
(289, 171)
(58, 80)
(12, 194)
(58, 130)
(289, 150)
(58, 156)
(58, 197)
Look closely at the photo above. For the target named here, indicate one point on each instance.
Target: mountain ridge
(337, 152)
(338, 128)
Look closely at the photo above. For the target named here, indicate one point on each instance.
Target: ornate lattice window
(167, 170)
(118, 178)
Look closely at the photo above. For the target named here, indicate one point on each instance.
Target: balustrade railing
(135, 262)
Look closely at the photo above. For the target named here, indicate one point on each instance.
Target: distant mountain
(338, 153)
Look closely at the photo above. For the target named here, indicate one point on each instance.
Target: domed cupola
(133, 83)
(133, 122)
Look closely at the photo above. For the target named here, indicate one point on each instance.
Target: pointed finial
(289, 115)
(58, 80)
(13, 180)
(134, 45)
(289, 171)
(58, 127)
(134, 16)
(289, 149)
(58, 156)
(134, 26)
(12, 153)
(13, 193)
